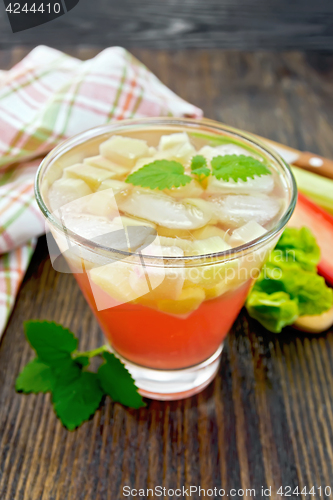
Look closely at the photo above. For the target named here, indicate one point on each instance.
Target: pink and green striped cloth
(46, 98)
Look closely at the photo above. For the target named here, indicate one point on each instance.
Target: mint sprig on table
(166, 174)
(60, 369)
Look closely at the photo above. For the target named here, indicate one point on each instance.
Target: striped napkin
(46, 98)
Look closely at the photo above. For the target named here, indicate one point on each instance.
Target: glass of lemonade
(165, 270)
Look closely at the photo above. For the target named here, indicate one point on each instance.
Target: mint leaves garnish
(199, 167)
(160, 174)
(165, 174)
(60, 369)
(237, 167)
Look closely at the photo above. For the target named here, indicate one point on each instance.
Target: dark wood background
(181, 24)
(267, 419)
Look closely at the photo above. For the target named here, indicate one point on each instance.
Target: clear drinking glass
(172, 348)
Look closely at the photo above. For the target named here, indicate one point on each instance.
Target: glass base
(168, 385)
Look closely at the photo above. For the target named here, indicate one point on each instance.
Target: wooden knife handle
(315, 163)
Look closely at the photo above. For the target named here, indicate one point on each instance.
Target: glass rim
(199, 124)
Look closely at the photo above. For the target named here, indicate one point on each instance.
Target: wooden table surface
(171, 24)
(267, 419)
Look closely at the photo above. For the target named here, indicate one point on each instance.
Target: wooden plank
(267, 419)
(231, 24)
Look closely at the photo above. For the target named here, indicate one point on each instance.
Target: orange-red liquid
(157, 340)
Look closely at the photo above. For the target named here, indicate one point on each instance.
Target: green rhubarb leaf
(118, 383)
(307, 288)
(300, 245)
(288, 285)
(274, 311)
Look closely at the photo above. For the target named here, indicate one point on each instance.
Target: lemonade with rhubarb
(165, 224)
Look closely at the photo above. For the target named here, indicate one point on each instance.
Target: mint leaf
(118, 383)
(237, 167)
(35, 377)
(60, 369)
(53, 343)
(160, 174)
(67, 370)
(82, 360)
(199, 166)
(77, 401)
